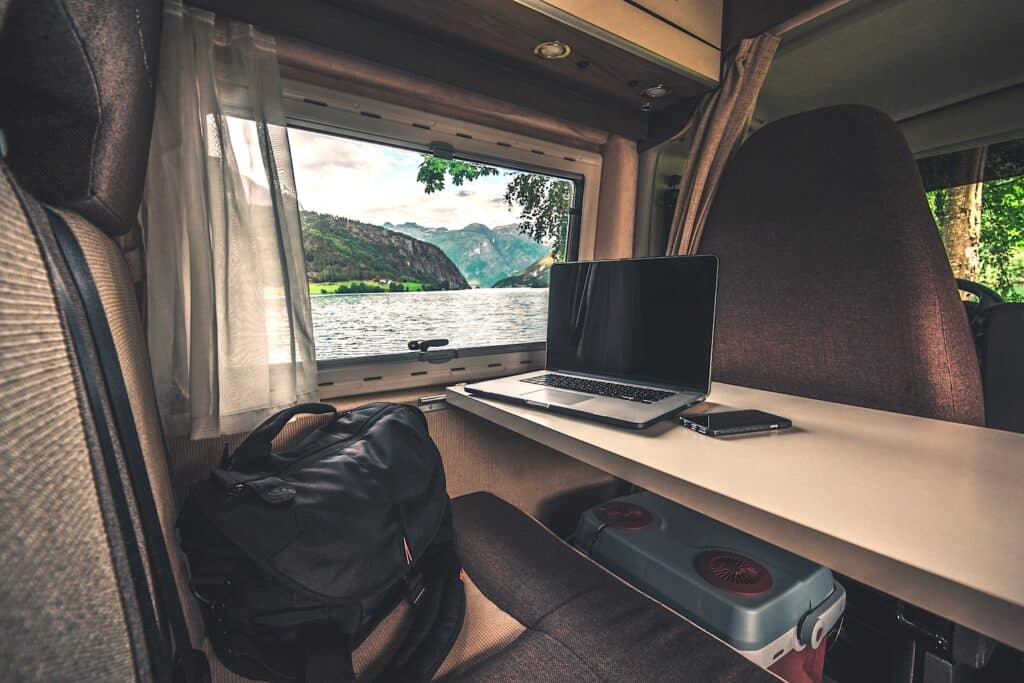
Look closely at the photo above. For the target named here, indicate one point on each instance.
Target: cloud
(320, 153)
(376, 184)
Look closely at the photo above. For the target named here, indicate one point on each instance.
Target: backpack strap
(105, 387)
(439, 615)
(258, 443)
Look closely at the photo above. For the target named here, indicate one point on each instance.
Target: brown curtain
(718, 126)
(616, 201)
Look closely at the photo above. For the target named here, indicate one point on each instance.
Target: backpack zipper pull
(414, 588)
(408, 552)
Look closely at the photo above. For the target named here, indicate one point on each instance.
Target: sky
(377, 184)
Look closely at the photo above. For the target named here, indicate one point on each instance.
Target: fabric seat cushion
(581, 622)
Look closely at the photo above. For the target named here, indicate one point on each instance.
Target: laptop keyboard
(599, 388)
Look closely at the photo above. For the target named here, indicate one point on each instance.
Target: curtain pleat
(718, 126)
(229, 321)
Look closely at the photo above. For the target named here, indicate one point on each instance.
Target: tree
(544, 208)
(982, 223)
(1002, 237)
(544, 202)
(433, 170)
(961, 217)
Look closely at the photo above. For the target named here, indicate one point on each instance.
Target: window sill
(362, 376)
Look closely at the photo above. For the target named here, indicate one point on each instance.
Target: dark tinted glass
(644, 320)
(735, 418)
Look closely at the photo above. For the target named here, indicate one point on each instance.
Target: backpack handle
(259, 441)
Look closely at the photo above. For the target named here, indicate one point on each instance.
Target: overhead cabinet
(682, 35)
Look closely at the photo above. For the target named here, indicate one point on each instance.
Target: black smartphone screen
(735, 421)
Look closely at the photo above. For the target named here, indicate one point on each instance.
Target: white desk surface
(929, 511)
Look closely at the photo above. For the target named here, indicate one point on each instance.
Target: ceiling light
(552, 49)
(656, 91)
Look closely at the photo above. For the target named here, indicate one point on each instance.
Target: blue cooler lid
(742, 589)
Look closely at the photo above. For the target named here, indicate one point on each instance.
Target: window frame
(321, 110)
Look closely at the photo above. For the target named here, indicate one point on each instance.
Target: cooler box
(772, 606)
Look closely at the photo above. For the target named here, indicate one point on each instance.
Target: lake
(353, 325)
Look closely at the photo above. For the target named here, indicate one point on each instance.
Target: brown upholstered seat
(581, 623)
(833, 282)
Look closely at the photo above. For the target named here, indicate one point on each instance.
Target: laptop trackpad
(564, 398)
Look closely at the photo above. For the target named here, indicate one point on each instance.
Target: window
(403, 245)
(977, 198)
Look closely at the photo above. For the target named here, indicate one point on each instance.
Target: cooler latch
(812, 629)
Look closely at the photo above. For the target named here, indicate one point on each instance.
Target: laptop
(628, 342)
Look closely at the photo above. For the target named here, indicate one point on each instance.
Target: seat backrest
(77, 78)
(66, 607)
(1002, 342)
(833, 282)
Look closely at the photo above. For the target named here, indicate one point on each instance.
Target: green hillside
(341, 250)
(536, 275)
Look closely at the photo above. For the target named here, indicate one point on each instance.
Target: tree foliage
(544, 208)
(544, 202)
(1002, 233)
(434, 171)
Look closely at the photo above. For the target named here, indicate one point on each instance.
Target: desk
(929, 511)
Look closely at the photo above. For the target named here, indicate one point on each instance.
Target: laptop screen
(646, 321)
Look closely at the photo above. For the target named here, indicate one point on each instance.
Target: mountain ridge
(341, 249)
(483, 254)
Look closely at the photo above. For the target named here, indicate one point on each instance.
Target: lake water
(353, 325)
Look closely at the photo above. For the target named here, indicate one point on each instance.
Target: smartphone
(734, 422)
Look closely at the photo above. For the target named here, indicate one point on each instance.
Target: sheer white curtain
(228, 316)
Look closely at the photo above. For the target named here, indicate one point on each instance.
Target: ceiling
(486, 47)
(943, 68)
(507, 32)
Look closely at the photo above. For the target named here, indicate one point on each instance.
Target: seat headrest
(833, 281)
(78, 84)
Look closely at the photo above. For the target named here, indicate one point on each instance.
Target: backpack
(296, 556)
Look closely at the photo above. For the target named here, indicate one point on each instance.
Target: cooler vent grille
(733, 572)
(623, 515)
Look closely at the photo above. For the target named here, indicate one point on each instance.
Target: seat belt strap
(188, 665)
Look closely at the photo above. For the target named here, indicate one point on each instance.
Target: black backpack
(296, 556)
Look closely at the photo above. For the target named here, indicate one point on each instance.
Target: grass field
(361, 287)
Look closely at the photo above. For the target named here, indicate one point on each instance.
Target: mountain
(484, 255)
(339, 249)
(537, 274)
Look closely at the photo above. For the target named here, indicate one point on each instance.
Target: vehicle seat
(833, 282)
(998, 330)
(1002, 370)
(78, 99)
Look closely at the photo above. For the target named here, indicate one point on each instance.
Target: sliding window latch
(428, 356)
(442, 150)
